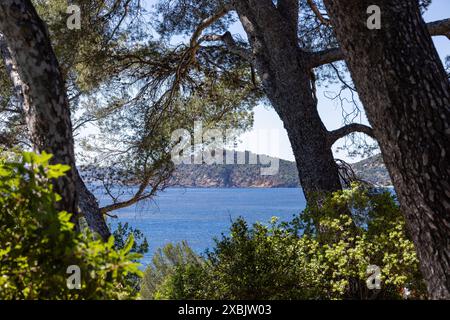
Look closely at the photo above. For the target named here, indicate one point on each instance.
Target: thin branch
(138, 196)
(317, 12)
(124, 15)
(205, 24)
(231, 45)
(335, 135)
(341, 78)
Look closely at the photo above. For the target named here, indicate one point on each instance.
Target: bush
(356, 228)
(176, 272)
(262, 262)
(38, 244)
(121, 235)
(322, 254)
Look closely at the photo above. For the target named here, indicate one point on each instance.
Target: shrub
(176, 272)
(38, 244)
(322, 254)
(121, 233)
(356, 228)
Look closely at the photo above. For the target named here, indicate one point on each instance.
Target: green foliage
(323, 254)
(38, 244)
(84, 53)
(356, 228)
(176, 272)
(263, 262)
(140, 246)
(123, 232)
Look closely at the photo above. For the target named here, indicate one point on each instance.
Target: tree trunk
(297, 109)
(90, 210)
(406, 94)
(41, 137)
(87, 203)
(45, 102)
(284, 70)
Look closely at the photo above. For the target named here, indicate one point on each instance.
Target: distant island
(248, 176)
(371, 170)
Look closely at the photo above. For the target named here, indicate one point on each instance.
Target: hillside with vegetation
(371, 170)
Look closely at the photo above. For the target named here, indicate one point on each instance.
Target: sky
(267, 119)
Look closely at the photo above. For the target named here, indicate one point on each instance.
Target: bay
(198, 215)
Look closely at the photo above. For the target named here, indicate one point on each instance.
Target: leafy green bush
(262, 262)
(356, 228)
(38, 244)
(322, 254)
(176, 272)
(121, 234)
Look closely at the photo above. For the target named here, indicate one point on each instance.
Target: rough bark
(406, 94)
(289, 11)
(34, 72)
(45, 102)
(436, 28)
(11, 70)
(284, 70)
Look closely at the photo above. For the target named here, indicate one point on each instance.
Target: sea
(198, 215)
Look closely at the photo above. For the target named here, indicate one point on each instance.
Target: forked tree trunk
(406, 94)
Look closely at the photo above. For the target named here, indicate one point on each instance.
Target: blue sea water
(198, 215)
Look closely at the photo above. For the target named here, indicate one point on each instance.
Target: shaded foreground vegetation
(321, 254)
(38, 244)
